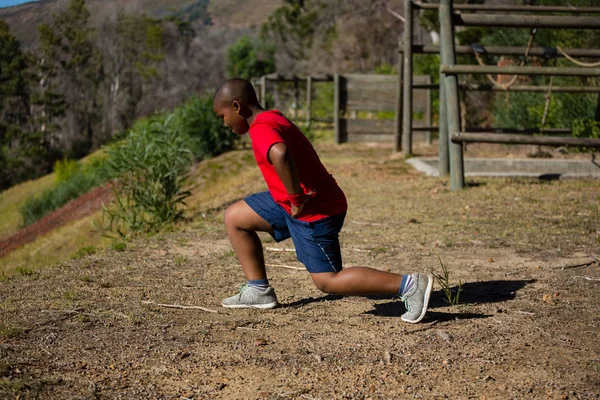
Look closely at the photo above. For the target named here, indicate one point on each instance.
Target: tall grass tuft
(149, 168)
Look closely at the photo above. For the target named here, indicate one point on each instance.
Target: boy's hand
(297, 209)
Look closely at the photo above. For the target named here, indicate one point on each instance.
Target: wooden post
(308, 100)
(444, 155)
(263, 91)
(398, 118)
(457, 177)
(428, 111)
(336, 108)
(408, 67)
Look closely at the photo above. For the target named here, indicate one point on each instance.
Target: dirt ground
(526, 327)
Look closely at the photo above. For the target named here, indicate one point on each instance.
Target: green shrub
(208, 136)
(149, 168)
(73, 182)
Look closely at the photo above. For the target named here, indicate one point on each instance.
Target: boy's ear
(237, 106)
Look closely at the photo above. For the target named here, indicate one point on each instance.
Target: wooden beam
(516, 70)
(509, 8)
(480, 137)
(527, 21)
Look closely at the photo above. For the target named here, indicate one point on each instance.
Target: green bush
(207, 134)
(72, 184)
(149, 168)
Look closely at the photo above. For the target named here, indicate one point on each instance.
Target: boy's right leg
(242, 223)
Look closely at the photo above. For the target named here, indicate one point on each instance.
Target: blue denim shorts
(317, 243)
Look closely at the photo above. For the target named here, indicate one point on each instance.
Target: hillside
(98, 326)
(25, 18)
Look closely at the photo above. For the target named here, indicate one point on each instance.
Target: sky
(8, 3)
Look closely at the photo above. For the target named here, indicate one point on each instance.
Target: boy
(303, 202)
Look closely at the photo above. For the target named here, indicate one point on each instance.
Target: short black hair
(235, 89)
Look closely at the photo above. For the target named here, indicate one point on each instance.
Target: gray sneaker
(250, 297)
(417, 299)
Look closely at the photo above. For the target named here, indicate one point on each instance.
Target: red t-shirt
(271, 127)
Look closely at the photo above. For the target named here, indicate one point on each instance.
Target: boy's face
(231, 116)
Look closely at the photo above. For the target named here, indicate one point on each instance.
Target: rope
(548, 97)
(505, 86)
(580, 63)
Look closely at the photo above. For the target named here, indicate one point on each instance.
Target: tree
(71, 72)
(16, 142)
(246, 59)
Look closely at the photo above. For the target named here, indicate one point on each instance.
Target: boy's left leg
(414, 289)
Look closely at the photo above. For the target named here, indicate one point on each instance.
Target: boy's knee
(231, 214)
(324, 282)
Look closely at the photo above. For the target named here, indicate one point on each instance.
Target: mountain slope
(25, 18)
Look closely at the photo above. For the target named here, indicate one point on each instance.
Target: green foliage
(16, 144)
(118, 245)
(207, 134)
(322, 102)
(65, 169)
(385, 69)
(292, 27)
(443, 279)
(150, 167)
(247, 59)
(586, 128)
(81, 180)
(84, 252)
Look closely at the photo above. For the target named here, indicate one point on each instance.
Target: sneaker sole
(261, 306)
(425, 301)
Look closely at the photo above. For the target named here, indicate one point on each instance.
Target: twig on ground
(365, 250)
(308, 397)
(367, 223)
(595, 260)
(180, 306)
(285, 266)
(278, 249)
(587, 278)
(524, 312)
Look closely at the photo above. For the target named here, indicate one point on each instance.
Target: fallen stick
(180, 307)
(595, 260)
(524, 312)
(278, 249)
(367, 223)
(286, 266)
(587, 278)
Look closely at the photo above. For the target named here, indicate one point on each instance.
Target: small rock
(387, 356)
(260, 342)
(445, 336)
(318, 358)
(490, 260)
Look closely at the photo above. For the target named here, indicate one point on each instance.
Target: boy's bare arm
(285, 167)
